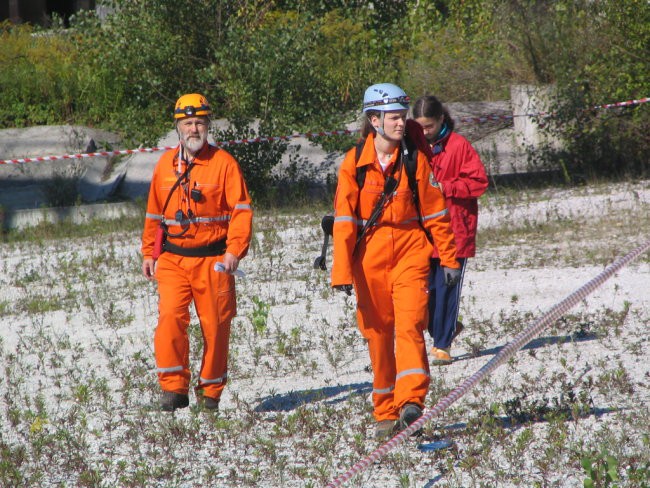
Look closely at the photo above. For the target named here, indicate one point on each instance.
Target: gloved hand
(347, 289)
(452, 275)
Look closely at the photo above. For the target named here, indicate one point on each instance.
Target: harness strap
(410, 165)
(178, 182)
(214, 249)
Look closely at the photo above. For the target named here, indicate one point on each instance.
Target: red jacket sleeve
(468, 178)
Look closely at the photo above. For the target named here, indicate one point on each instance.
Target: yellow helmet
(192, 105)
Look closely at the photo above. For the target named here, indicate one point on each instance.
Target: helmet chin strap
(380, 129)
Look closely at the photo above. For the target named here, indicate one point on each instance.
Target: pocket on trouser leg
(226, 305)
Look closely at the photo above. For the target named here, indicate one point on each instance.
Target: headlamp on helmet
(192, 105)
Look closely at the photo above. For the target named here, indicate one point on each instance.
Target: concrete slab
(56, 140)
(20, 219)
(25, 185)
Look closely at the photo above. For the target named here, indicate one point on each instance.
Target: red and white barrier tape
(504, 354)
(165, 148)
(624, 104)
(473, 120)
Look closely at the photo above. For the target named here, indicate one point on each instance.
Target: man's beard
(193, 144)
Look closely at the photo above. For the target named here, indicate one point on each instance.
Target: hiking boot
(440, 357)
(409, 413)
(170, 401)
(459, 329)
(384, 429)
(210, 403)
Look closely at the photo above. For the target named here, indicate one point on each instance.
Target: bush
(269, 181)
(303, 65)
(38, 79)
(597, 56)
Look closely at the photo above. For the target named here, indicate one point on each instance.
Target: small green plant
(259, 316)
(601, 469)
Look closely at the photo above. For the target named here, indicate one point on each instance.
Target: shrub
(38, 79)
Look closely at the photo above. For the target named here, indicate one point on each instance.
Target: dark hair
(430, 107)
(366, 127)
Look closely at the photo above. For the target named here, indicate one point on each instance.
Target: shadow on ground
(534, 344)
(456, 430)
(293, 399)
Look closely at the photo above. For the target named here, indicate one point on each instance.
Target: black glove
(452, 275)
(344, 288)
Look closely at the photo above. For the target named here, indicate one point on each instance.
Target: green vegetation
(302, 65)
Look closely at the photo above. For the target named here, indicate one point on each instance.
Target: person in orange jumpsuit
(200, 206)
(388, 265)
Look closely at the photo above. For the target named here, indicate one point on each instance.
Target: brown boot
(210, 403)
(409, 413)
(170, 401)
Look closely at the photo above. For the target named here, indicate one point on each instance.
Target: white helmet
(385, 97)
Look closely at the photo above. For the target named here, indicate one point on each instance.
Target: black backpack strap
(361, 172)
(411, 165)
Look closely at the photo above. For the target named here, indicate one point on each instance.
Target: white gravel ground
(77, 400)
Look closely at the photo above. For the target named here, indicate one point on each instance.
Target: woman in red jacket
(461, 174)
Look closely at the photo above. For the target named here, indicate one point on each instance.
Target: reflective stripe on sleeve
(242, 206)
(435, 215)
(153, 216)
(408, 372)
(344, 218)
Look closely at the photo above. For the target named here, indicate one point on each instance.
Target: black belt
(215, 249)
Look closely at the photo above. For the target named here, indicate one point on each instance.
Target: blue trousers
(444, 302)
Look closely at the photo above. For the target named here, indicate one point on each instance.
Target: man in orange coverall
(200, 206)
(389, 264)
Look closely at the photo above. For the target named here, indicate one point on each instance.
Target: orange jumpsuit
(389, 272)
(222, 211)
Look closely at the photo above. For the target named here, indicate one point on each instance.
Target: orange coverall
(223, 211)
(389, 272)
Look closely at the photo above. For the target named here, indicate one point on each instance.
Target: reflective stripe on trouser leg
(214, 297)
(381, 343)
(410, 296)
(171, 343)
(392, 266)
